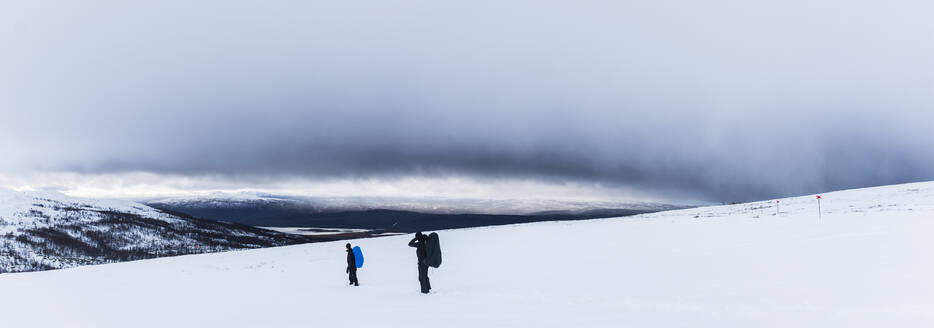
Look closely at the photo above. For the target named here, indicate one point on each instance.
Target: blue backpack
(358, 256)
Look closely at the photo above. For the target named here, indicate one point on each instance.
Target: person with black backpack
(420, 242)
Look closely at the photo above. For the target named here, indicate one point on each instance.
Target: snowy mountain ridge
(22, 208)
(47, 230)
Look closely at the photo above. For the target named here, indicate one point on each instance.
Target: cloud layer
(722, 100)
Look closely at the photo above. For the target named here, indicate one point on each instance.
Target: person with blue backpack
(352, 266)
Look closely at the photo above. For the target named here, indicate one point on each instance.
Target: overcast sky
(706, 100)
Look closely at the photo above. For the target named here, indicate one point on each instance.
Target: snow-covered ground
(866, 263)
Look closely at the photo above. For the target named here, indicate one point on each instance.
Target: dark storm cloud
(721, 100)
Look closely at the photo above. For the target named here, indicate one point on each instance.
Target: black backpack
(433, 248)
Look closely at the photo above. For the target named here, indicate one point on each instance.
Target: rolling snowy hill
(40, 231)
(865, 263)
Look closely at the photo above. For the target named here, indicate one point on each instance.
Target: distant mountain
(393, 215)
(433, 205)
(41, 231)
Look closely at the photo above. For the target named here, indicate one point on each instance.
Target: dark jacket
(420, 247)
(351, 260)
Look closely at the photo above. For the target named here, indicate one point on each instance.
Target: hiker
(352, 266)
(419, 242)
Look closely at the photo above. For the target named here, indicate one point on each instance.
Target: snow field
(867, 263)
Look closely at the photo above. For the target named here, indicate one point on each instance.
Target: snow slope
(866, 263)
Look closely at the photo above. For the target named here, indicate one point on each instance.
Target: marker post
(818, 208)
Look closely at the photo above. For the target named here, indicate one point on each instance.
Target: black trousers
(353, 276)
(423, 277)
